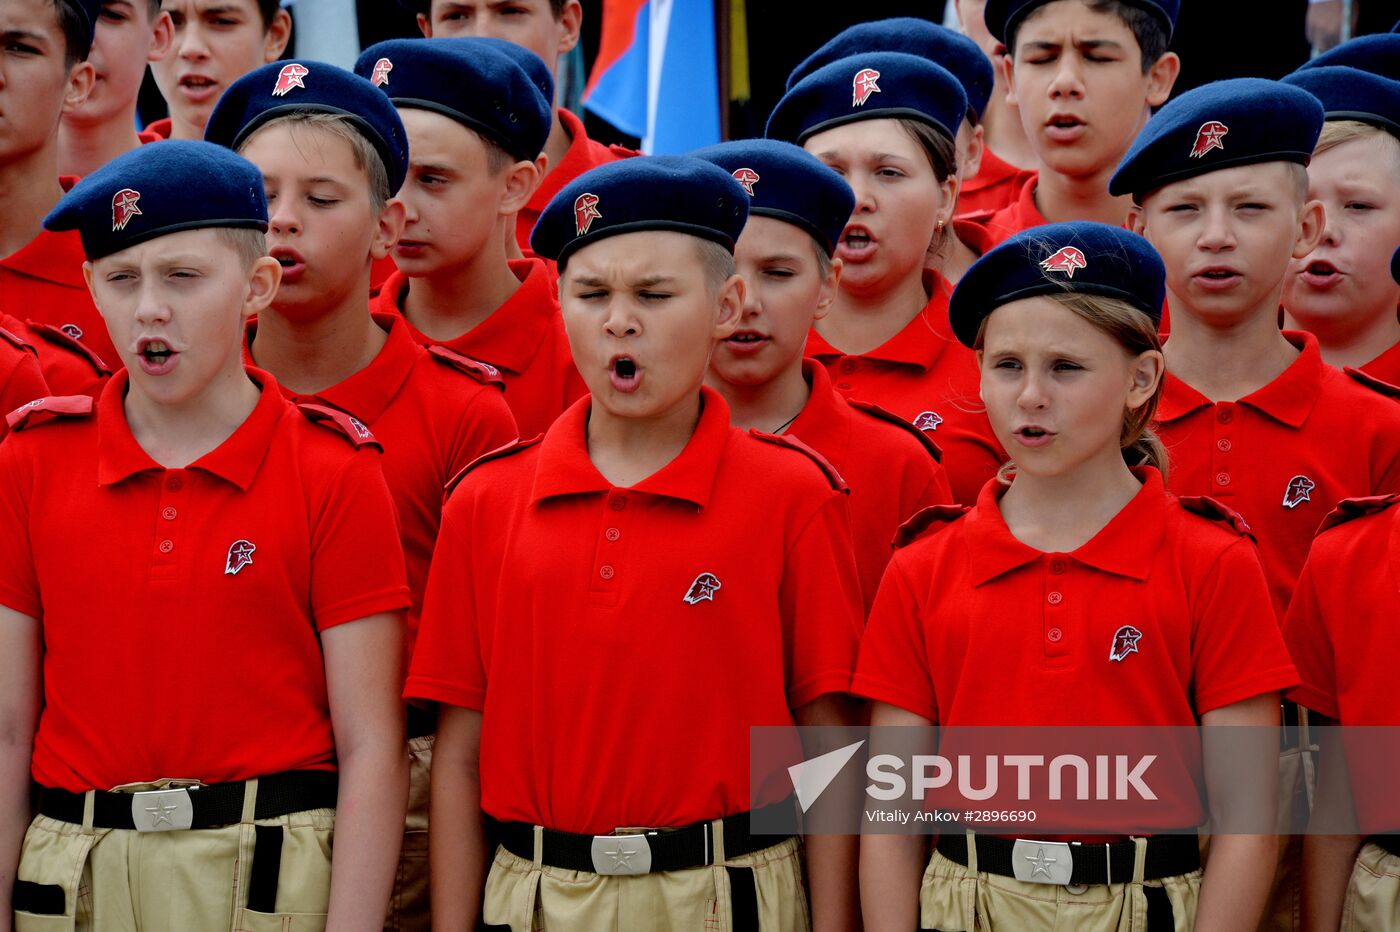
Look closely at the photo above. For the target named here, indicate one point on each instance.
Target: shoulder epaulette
(36, 412)
(1380, 386)
(333, 419)
(14, 340)
(792, 443)
(1212, 510)
(879, 412)
(510, 449)
(977, 216)
(927, 521)
(623, 152)
(1349, 509)
(485, 373)
(59, 337)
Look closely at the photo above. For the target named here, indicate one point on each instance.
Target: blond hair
(1340, 132)
(367, 157)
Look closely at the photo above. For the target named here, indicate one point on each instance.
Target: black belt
(1390, 844)
(649, 852)
(279, 794)
(1167, 856)
(1291, 716)
(421, 722)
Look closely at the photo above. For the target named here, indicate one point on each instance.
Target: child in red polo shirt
(550, 29)
(1076, 574)
(129, 34)
(886, 122)
(214, 44)
(472, 166)
(797, 209)
(1084, 76)
(600, 665)
(328, 178)
(201, 625)
(1007, 155)
(1341, 292)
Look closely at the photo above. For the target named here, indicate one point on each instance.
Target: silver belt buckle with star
(165, 810)
(621, 855)
(1042, 861)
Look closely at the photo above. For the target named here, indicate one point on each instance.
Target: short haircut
(268, 9)
(1339, 132)
(367, 158)
(153, 7)
(1146, 27)
(1299, 174)
(556, 7)
(77, 33)
(717, 263)
(250, 245)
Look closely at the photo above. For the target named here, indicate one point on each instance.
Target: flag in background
(656, 76)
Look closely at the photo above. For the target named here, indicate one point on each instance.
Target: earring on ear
(939, 231)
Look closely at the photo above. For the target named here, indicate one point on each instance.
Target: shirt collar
(1126, 546)
(1288, 399)
(565, 469)
(53, 257)
(920, 343)
(575, 162)
(821, 415)
(236, 460)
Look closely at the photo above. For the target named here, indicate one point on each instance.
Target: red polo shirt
(925, 376)
(972, 627)
(996, 185)
(432, 419)
(1341, 631)
(1386, 366)
(1283, 456)
(975, 236)
(156, 130)
(523, 340)
(21, 379)
(1020, 214)
(583, 154)
(181, 608)
(68, 365)
(891, 467)
(621, 641)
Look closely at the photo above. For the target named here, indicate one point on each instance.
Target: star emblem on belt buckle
(621, 855)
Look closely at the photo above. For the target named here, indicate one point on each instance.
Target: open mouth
(156, 352)
(856, 240)
(291, 261)
(625, 374)
(1217, 277)
(1032, 436)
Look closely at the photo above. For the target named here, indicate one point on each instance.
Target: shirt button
(612, 533)
(848, 366)
(607, 572)
(166, 546)
(173, 484)
(1225, 415)
(1223, 445)
(1222, 478)
(1057, 566)
(844, 386)
(168, 514)
(1055, 598)
(618, 504)
(1054, 635)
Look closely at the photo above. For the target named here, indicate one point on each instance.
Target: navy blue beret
(540, 71)
(1060, 258)
(285, 87)
(939, 44)
(1242, 121)
(662, 192)
(1378, 54)
(156, 190)
(1350, 94)
(467, 80)
(789, 184)
(870, 86)
(1002, 16)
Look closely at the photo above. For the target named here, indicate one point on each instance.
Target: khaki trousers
(408, 904)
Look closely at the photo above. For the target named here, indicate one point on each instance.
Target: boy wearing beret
(472, 166)
(331, 148)
(1085, 75)
(797, 209)
(599, 667)
(550, 29)
(129, 34)
(1252, 415)
(200, 621)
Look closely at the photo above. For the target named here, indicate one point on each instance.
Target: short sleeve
(1237, 650)
(24, 383)
(357, 563)
(19, 584)
(821, 605)
(485, 424)
(1305, 633)
(893, 666)
(447, 663)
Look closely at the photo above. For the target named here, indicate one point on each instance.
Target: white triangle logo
(811, 777)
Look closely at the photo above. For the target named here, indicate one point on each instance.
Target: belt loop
(1108, 863)
(250, 799)
(717, 841)
(971, 852)
(539, 846)
(1139, 860)
(89, 805)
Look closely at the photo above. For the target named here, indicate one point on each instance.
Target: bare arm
(21, 698)
(892, 866)
(457, 855)
(831, 859)
(1241, 866)
(363, 678)
(1328, 859)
